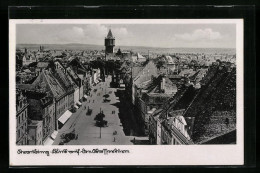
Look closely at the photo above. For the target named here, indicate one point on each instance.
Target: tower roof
(110, 35)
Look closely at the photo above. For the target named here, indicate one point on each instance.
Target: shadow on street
(126, 116)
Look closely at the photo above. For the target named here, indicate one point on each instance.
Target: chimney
(163, 84)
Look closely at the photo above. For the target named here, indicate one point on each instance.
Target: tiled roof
(27, 71)
(72, 82)
(76, 63)
(143, 84)
(198, 75)
(42, 64)
(48, 83)
(25, 86)
(136, 70)
(63, 80)
(215, 97)
(54, 85)
(217, 125)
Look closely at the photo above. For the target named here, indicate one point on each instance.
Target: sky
(147, 35)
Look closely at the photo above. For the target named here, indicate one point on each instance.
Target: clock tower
(109, 42)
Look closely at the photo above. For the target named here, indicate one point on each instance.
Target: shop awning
(64, 118)
(79, 103)
(76, 106)
(85, 96)
(54, 134)
(49, 141)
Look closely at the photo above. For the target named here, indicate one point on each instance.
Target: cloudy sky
(149, 35)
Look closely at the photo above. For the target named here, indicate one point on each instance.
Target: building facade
(21, 119)
(144, 75)
(28, 59)
(43, 110)
(35, 133)
(49, 84)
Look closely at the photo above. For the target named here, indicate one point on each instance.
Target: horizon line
(129, 46)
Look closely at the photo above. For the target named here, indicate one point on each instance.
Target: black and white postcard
(126, 92)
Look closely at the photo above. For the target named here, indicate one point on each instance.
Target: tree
(100, 122)
(160, 64)
(100, 116)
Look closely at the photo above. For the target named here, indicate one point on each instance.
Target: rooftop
(110, 35)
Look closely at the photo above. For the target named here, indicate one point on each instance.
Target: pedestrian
(93, 101)
(114, 139)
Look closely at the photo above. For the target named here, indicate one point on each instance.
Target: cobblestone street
(84, 125)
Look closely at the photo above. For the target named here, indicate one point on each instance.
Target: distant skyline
(145, 35)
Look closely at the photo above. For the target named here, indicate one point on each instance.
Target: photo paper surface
(126, 92)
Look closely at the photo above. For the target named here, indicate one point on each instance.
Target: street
(85, 129)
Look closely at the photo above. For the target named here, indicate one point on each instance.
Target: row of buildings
(44, 105)
(192, 106)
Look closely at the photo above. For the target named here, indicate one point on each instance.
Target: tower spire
(110, 42)
(109, 34)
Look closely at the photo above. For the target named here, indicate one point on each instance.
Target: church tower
(109, 42)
